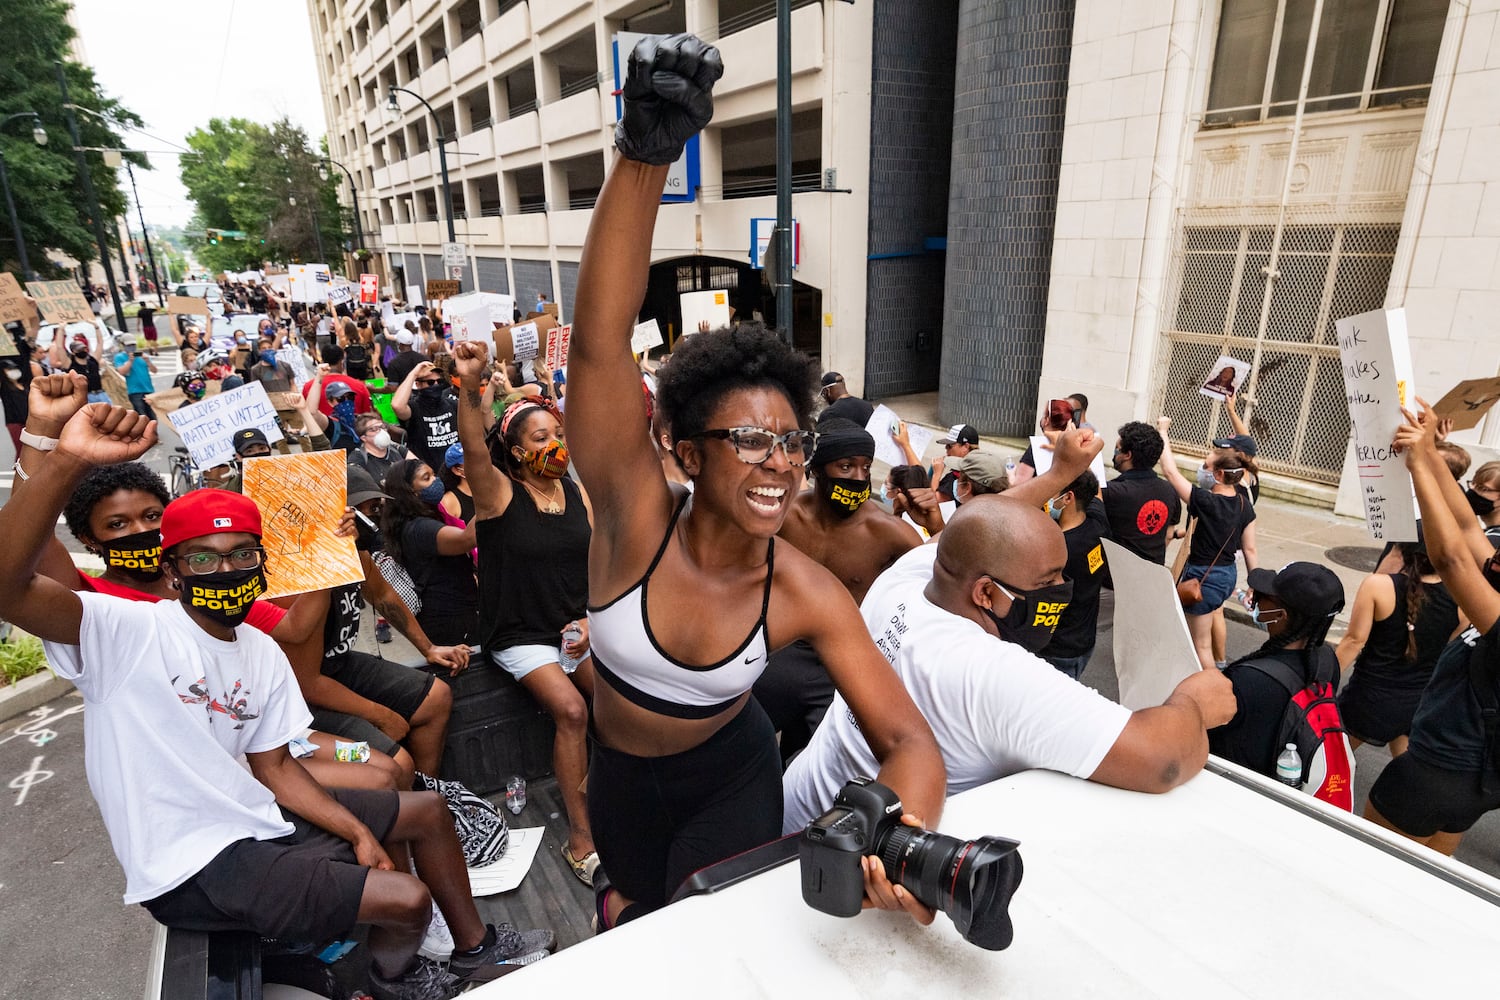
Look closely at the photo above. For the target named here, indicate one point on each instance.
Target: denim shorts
(518, 661)
(1218, 584)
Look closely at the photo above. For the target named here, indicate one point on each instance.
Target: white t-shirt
(169, 708)
(994, 708)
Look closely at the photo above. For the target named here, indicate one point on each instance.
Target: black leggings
(657, 820)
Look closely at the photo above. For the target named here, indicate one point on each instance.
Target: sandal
(583, 867)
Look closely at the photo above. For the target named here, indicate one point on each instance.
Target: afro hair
(104, 481)
(706, 367)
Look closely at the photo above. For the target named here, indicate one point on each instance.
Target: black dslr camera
(971, 881)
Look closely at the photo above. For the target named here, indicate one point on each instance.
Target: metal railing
(751, 17)
(578, 86)
(583, 201)
(759, 187)
(524, 108)
(530, 207)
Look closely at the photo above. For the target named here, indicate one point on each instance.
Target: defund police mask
(138, 556)
(224, 598)
(1033, 615)
(846, 495)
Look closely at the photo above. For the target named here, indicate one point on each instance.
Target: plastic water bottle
(1289, 766)
(1242, 598)
(1010, 468)
(515, 793)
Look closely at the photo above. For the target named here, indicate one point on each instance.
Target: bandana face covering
(550, 462)
(847, 495)
(224, 598)
(138, 556)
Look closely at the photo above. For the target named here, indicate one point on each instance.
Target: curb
(33, 692)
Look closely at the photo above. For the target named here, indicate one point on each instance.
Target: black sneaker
(426, 980)
(509, 944)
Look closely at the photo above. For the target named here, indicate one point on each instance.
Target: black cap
(1239, 442)
(1304, 588)
(361, 486)
(960, 434)
(249, 437)
(829, 378)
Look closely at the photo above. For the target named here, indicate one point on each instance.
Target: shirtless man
(833, 525)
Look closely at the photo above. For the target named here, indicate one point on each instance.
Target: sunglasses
(754, 445)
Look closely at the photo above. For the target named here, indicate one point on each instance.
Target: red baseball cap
(208, 512)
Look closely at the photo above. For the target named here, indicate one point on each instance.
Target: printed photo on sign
(1225, 378)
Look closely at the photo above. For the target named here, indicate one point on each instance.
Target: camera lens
(970, 880)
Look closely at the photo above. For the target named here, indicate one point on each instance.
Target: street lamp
(393, 108)
(359, 230)
(39, 136)
(317, 230)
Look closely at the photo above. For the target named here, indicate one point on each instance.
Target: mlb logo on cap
(204, 512)
(223, 522)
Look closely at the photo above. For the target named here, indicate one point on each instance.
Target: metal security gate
(1323, 272)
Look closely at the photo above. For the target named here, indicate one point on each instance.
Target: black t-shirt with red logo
(1142, 508)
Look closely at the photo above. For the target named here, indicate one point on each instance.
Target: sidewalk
(1285, 531)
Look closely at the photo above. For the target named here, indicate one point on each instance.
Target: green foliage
(244, 177)
(21, 655)
(50, 201)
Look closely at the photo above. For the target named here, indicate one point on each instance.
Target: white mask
(381, 440)
(13, 374)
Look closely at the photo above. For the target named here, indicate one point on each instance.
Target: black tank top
(1436, 622)
(465, 506)
(1384, 655)
(533, 570)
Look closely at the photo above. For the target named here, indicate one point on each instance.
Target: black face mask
(1481, 505)
(430, 394)
(1033, 615)
(138, 556)
(224, 598)
(366, 538)
(846, 495)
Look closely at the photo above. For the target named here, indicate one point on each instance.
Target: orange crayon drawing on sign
(301, 499)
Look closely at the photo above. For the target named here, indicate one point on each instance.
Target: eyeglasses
(1017, 594)
(203, 563)
(754, 445)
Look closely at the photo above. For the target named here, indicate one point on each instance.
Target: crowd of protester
(694, 575)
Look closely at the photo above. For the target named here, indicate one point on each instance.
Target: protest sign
(413, 295)
(524, 341)
(699, 308)
(339, 295)
(388, 315)
(1227, 376)
(187, 305)
(207, 425)
(13, 304)
(60, 301)
(301, 498)
(471, 324)
(1152, 646)
(297, 362)
(442, 289)
(880, 426)
(1041, 459)
(280, 282)
(646, 336)
(1468, 402)
(1377, 383)
(369, 289)
(557, 347)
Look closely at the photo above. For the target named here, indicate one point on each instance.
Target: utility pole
(783, 235)
(150, 255)
(88, 190)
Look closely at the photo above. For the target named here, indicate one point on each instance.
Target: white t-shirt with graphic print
(167, 710)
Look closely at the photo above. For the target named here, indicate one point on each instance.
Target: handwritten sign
(557, 347)
(1468, 402)
(339, 295)
(699, 308)
(472, 324)
(1377, 383)
(297, 362)
(413, 295)
(1152, 646)
(369, 289)
(443, 289)
(60, 301)
(207, 425)
(187, 305)
(301, 498)
(646, 336)
(881, 422)
(13, 304)
(1041, 459)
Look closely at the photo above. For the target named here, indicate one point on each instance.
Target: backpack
(482, 831)
(1484, 681)
(1313, 724)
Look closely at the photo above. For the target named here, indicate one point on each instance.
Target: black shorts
(304, 888)
(400, 689)
(1376, 713)
(795, 690)
(1422, 800)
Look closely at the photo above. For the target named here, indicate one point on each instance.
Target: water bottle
(515, 793)
(567, 660)
(1242, 598)
(1288, 767)
(1010, 468)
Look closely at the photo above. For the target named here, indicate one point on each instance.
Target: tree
(262, 181)
(50, 203)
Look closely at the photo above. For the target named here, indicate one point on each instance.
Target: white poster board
(281, 282)
(207, 426)
(414, 295)
(699, 308)
(339, 295)
(297, 361)
(1377, 383)
(1153, 649)
(646, 336)
(1041, 457)
(1226, 376)
(472, 323)
(887, 450)
(525, 341)
(309, 282)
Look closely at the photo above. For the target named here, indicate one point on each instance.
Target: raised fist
(668, 95)
(469, 360)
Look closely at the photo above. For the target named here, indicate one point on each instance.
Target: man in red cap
(177, 692)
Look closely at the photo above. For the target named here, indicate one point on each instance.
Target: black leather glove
(668, 94)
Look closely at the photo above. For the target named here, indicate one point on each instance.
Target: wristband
(37, 441)
(21, 473)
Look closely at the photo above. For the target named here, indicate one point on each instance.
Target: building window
(737, 15)
(530, 188)
(518, 90)
(749, 155)
(1368, 54)
(581, 177)
(576, 63)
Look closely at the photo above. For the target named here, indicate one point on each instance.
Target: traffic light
(213, 236)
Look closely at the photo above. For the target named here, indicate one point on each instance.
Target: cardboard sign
(700, 308)
(187, 305)
(1153, 649)
(532, 334)
(13, 304)
(1377, 383)
(1225, 377)
(646, 336)
(442, 290)
(557, 347)
(60, 301)
(369, 289)
(414, 295)
(1041, 458)
(552, 309)
(301, 498)
(880, 426)
(1468, 402)
(207, 425)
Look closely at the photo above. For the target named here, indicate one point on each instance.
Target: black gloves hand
(668, 93)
